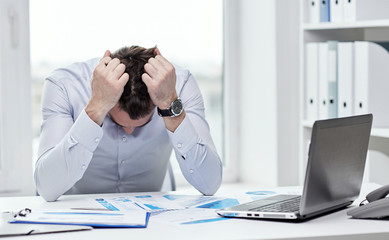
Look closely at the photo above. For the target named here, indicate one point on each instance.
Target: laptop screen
(336, 162)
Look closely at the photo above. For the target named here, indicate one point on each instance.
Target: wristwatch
(174, 110)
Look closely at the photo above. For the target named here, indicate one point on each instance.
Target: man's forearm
(172, 123)
(61, 165)
(59, 169)
(196, 155)
(95, 113)
(203, 169)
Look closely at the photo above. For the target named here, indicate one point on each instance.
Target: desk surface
(335, 226)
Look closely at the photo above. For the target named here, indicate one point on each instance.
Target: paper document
(189, 216)
(171, 208)
(144, 202)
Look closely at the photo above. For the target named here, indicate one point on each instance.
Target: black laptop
(336, 162)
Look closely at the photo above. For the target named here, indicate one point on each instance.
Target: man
(109, 125)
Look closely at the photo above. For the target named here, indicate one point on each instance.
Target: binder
(332, 79)
(7, 230)
(118, 219)
(311, 82)
(359, 10)
(314, 11)
(323, 80)
(336, 10)
(324, 10)
(345, 79)
(371, 83)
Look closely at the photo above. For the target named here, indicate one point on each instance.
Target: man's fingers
(107, 54)
(147, 79)
(157, 64)
(119, 70)
(163, 61)
(106, 58)
(157, 52)
(113, 64)
(124, 79)
(150, 69)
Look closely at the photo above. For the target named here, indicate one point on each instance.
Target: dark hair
(135, 99)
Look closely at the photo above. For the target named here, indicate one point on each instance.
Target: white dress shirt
(78, 156)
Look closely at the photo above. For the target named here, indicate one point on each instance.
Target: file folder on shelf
(359, 10)
(323, 80)
(324, 10)
(314, 11)
(371, 81)
(336, 10)
(332, 79)
(345, 79)
(311, 82)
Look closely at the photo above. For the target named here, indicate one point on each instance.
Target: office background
(248, 63)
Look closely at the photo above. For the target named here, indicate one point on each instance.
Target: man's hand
(108, 81)
(160, 79)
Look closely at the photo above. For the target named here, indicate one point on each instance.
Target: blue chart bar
(174, 197)
(228, 202)
(143, 196)
(82, 213)
(121, 199)
(205, 220)
(152, 207)
(106, 204)
(261, 193)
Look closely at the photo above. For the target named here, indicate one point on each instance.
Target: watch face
(177, 107)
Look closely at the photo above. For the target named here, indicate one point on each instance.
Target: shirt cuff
(184, 137)
(86, 132)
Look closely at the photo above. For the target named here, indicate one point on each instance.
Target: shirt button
(97, 140)
(83, 167)
(191, 171)
(123, 162)
(124, 139)
(179, 145)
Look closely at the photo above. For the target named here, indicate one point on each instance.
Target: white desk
(334, 226)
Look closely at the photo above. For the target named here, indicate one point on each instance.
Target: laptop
(335, 167)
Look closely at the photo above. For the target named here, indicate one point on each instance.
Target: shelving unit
(374, 30)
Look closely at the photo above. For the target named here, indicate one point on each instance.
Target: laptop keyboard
(290, 205)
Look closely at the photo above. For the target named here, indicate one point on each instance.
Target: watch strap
(164, 112)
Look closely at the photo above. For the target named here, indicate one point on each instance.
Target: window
(189, 33)
(15, 88)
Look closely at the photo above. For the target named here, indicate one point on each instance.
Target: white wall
(258, 92)
(268, 91)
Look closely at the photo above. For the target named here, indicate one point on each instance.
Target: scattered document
(188, 216)
(153, 202)
(190, 201)
(170, 208)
